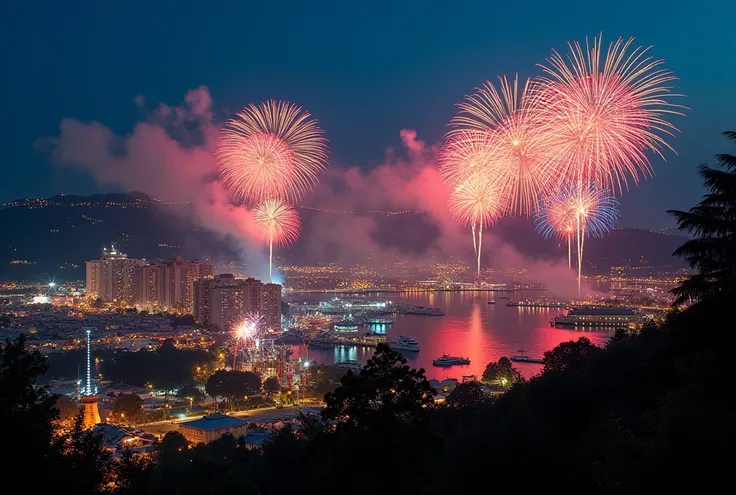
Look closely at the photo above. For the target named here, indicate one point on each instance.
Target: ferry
(404, 343)
(523, 358)
(447, 360)
(348, 325)
(599, 316)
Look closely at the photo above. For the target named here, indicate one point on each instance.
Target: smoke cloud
(170, 156)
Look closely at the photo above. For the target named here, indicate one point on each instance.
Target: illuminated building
(211, 427)
(224, 300)
(112, 277)
(170, 284)
(89, 397)
(269, 305)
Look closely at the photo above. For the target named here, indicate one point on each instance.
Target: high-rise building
(170, 284)
(269, 305)
(112, 277)
(116, 278)
(224, 300)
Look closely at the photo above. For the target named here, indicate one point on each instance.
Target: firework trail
(558, 216)
(477, 202)
(274, 150)
(518, 154)
(247, 331)
(601, 115)
(280, 225)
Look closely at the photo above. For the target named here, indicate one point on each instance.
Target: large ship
(599, 316)
(404, 343)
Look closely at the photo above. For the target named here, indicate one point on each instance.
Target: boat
(349, 365)
(404, 343)
(447, 360)
(599, 316)
(492, 301)
(523, 358)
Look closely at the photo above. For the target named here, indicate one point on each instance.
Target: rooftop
(214, 421)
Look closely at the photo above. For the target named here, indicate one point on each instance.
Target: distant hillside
(53, 237)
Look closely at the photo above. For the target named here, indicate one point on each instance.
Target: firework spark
(591, 211)
(280, 225)
(247, 332)
(600, 117)
(274, 150)
(467, 152)
(477, 202)
(519, 155)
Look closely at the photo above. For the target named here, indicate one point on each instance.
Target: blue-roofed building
(211, 427)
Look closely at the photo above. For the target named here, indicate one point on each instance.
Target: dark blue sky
(365, 69)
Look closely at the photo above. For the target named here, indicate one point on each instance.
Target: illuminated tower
(89, 395)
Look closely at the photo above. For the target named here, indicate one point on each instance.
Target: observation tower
(89, 396)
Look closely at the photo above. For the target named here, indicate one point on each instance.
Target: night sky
(364, 69)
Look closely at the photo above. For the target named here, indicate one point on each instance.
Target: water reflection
(471, 327)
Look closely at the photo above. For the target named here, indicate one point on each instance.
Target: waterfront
(471, 328)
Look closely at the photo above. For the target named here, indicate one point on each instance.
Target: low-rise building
(211, 427)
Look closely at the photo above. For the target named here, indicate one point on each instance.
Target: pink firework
(246, 332)
(600, 117)
(518, 153)
(467, 152)
(280, 225)
(274, 150)
(477, 202)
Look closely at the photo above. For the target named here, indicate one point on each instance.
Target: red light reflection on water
(470, 328)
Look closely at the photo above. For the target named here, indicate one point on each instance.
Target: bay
(471, 328)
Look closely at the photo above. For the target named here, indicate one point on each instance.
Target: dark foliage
(713, 221)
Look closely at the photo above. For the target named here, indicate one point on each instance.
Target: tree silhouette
(232, 385)
(466, 396)
(572, 355)
(171, 444)
(128, 406)
(713, 252)
(501, 373)
(385, 386)
(189, 391)
(271, 385)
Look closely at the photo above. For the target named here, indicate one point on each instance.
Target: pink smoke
(164, 158)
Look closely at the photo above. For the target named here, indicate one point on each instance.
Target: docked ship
(348, 325)
(599, 317)
(537, 304)
(447, 360)
(404, 343)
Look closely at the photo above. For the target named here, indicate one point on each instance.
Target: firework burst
(280, 225)
(467, 152)
(274, 150)
(600, 115)
(596, 210)
(517, 153)
(247, 332)
(477, 202)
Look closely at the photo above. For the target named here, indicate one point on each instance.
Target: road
(265, 415)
